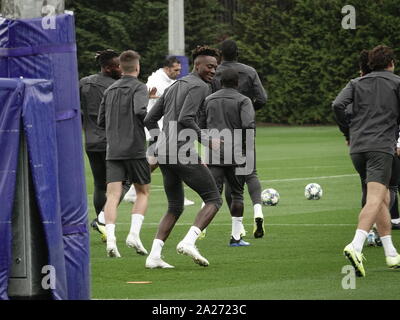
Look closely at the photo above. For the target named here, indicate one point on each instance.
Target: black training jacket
(91, 92)
(374, 118)
(122, 111)
(249, 82)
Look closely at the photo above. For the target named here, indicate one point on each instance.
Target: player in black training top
(91, 93)
(374, 129)
(250, 86)
(122, 111)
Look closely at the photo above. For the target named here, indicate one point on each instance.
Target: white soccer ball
(270, 197)
(313, 191)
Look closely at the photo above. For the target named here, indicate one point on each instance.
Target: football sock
(390, 250)
(359, 239)
(237, 223)
(258, 211)
(396, 221)
(192, 235)
(156, 248)
(136, 223)
(110, 231)
(100, 218)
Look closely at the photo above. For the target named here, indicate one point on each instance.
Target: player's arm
(101, 118)
(247, 114)
(259, 93)
(140, 101)
(339, 105)
(155, 114)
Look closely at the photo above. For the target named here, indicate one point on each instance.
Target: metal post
(27, 9)
(176, 33)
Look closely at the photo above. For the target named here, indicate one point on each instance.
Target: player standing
(122, 112)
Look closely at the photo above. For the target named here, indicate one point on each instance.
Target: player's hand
(153, 93)
(215, 144)
(152, 160)
(398, 152)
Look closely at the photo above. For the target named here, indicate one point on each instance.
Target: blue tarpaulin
(33, 49)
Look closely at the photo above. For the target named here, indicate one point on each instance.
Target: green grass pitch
(300, 256)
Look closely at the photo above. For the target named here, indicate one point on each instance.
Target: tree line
(301, 51)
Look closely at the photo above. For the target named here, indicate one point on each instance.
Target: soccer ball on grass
(270, 197)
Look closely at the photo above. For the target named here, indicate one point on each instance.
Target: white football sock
(156, 248)
(396, 221)
(390, 250)
(100, 218)
(359, 239)
(258, 211)
(237, 223)
(110, 231)
(136, 223)
(192, 235)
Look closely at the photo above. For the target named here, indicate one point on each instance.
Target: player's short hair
(105, 57)
(128, 60)
(204, 51)
(363, 62)
(169, 61)
(230, 78)
(229, 50)
(380, 57)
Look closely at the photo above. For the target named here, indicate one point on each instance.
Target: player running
(250, 86)
(373, 133)
(227, 110)
(122, 112)
(91, 93)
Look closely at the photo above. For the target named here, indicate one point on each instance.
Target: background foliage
(302, 53)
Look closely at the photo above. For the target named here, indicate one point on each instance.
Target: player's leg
(378, 171)
(115, 175)
(97, 161)
(199, 178)
(394, 188)
(114, 191)
(138, 171)
(173, 188)
(236, 184)
(384, 226)
(138, 212)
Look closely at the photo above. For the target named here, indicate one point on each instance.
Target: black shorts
(236, 183)
(197, 176)
(373, 166)
(134, 170)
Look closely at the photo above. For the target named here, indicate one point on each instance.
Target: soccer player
(156, 84)
(343, 119)
(373, 133)
(91, 93)
(122, 112)
(181, 105)
(228, 110)
(250, 86)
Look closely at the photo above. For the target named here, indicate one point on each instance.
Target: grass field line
(250, 224)
(161, 188)
(309, 178)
